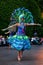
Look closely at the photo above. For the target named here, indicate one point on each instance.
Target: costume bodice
(21, 30)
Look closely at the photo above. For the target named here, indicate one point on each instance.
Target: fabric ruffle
(19, 42)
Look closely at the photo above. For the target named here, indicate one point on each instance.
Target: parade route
(30, 57)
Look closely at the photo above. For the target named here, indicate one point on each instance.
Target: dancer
(20, 41)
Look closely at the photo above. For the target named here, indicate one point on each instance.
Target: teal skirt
(19, 42)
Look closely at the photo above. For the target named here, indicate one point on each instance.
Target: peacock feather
(27, 15)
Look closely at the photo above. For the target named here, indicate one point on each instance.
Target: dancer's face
(22, 19)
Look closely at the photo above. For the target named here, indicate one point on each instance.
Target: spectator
(35, 39)
(3, 40)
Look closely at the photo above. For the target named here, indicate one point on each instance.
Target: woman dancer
(20, 41)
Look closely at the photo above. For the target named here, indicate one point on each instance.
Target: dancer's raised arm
(32, 24)
(17, 24)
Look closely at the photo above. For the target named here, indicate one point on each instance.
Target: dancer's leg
(19, 58)
(21, 53)
(9, 46)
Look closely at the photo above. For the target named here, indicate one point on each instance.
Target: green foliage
(40, 3)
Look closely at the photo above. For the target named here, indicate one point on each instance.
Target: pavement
(30, 57)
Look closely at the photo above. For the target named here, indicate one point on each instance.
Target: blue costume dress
(20, 41)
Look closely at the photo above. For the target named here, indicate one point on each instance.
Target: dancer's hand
(7, 32)
(39, 24)
(3, 29)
